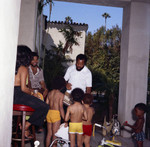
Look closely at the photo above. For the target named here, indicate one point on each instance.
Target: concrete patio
(126, 142)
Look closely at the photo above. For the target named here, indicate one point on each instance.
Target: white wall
(9, 18)
(53, 36)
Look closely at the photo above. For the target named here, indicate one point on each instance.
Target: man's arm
(47, 99)
(88, 82)
(43, 86)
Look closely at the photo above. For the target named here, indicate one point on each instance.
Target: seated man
(36, 79)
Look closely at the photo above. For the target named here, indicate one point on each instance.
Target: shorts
(139, 136)
(53, 116)
(87, 130)
(75, 128)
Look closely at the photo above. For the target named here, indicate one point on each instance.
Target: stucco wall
(53, 36)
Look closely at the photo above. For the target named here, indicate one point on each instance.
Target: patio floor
(100, 112)
(126, 142)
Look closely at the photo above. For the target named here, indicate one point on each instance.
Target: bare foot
(28, 135)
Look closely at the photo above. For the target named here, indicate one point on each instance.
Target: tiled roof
(63, 22)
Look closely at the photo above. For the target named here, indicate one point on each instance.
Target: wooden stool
(22, 110)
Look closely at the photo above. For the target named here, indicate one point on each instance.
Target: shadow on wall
(47, 40)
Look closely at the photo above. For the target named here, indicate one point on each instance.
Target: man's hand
(45, 93)
(69, 86)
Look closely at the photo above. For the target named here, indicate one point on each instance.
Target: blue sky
(82, 13)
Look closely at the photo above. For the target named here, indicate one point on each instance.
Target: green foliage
(104, 59)
(54, 64)
(103, 52)
(70, 36)
(68, 19)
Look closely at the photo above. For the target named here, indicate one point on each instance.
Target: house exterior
(52, 37)
(135, 47)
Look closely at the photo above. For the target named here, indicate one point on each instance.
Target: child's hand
(125, 123)
(66, 124)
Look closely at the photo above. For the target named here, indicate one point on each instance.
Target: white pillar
(9, 27)
(27, 28)
(135, 46)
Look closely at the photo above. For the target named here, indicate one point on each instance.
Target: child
(87, 125)
(76, 112)
(55, 101)
(139, 110)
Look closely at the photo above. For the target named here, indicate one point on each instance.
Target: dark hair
(34, 54)
(88, 98)
(77, 94)
(58, 83)
(81, 57)
(23, 57)
(141, 106)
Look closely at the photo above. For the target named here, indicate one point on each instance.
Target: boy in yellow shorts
(55, 101)
(76, 113)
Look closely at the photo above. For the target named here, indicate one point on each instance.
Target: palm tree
(50, 8)
(106, 15)
(68, 19)
(70, 36)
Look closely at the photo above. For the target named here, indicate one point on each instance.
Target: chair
(22, 110)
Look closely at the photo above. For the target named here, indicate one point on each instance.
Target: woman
(23, 94)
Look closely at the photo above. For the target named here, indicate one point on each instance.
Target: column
(9, 27)
(135, 45)
(27, 28)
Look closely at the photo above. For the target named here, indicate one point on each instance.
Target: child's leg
(79, 140)
(72, 140)
(87, 140)
(55, 128)
(49, 134)
(139, 143)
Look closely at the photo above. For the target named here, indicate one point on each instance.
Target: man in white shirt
(79, 76)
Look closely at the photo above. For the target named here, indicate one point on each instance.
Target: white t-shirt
(78, 79)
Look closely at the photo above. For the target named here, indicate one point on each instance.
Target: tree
(104, 62)
(43, 3)
(105, 15)
(70, 36)
(68, 19)
(54, 63)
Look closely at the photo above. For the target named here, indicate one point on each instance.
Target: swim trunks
(87, 130)
(75, 128)
(139, 136)
(53, 116)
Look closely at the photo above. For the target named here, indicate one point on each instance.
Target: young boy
(76, 112)
(55, 101)
(87, 125)
(139, 110)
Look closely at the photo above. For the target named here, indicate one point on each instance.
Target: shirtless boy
(76, 112)
(87, 125)
(139, 110)
(55, 101)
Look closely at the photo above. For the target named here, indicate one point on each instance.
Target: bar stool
(22, 110)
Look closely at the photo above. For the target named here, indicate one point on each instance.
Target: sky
(83, 13)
